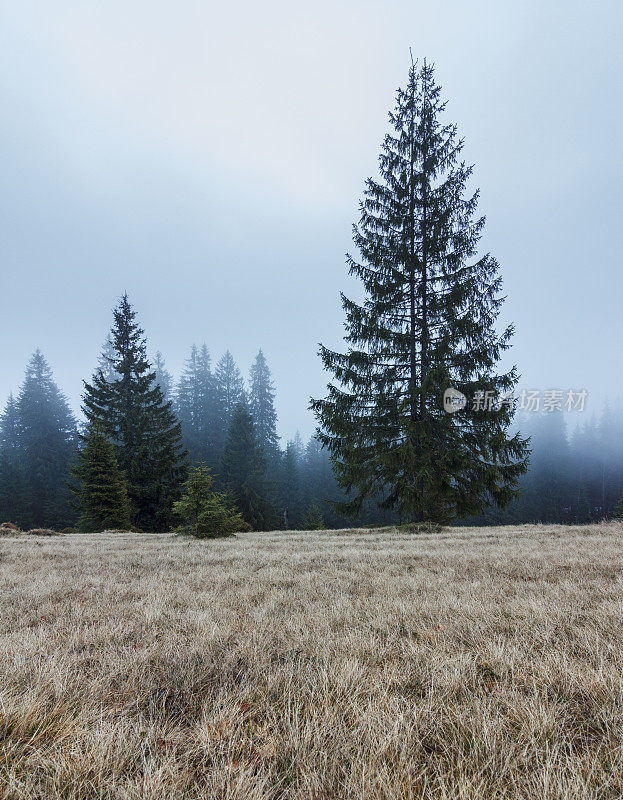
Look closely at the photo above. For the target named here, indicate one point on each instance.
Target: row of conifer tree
(142, 430)
(125, 464)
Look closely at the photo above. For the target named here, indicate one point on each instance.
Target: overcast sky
(209, 158)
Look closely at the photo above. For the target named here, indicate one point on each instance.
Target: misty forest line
(385, 449)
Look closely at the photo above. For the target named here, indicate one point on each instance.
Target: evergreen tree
(313, 521)
(188, 404)
(164, 378)
(47, 442)
(427, 323)
(243, 470)
(206, 513)
(102, 492)
(262, 404)
(545, 488)
(195, 406)
(290, 495)
(12, 477)
(228, 391)
(145, 433)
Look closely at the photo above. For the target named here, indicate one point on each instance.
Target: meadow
(473, 663)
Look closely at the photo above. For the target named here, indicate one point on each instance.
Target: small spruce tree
(102, 492)
(206, 513)
(313, 520)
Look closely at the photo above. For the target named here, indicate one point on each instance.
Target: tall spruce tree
(102, 492)
(145, 433)
(243, 470)
(262, 404)
(47, 441)
(12, 476)
(427, 323)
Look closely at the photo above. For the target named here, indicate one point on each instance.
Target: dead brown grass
(474, 663)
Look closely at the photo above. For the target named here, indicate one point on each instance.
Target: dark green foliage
(262, 405)
(102, 492)
(145, 433)
(243, 470)
(47, 439)
(206, 513)
(427, 322)
(12, 476)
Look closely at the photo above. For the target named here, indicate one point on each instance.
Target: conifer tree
(188, 404)
(204, 512)
(290, 495)
(102, 492)
(12, 477)
(313, 521)
(195, 405)
(228, 391)
(47, 442)
(427, 323)
(145, 433)
(163, 377)
(243, 470)
(262, 404)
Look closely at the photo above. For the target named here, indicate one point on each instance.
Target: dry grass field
(476, 663)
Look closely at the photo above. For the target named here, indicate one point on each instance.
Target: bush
(205, 513)
(42, 532)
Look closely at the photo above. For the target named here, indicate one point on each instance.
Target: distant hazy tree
(47, 442)
(546, 488)
(145, 433)
(262, 404)
(290, 495)
(195, 404)
(101, 491)
(228, 391)
(428, 322)
(243, 470)
(12, 477)
(164, 378)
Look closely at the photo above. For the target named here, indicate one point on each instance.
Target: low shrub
(42, 532)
